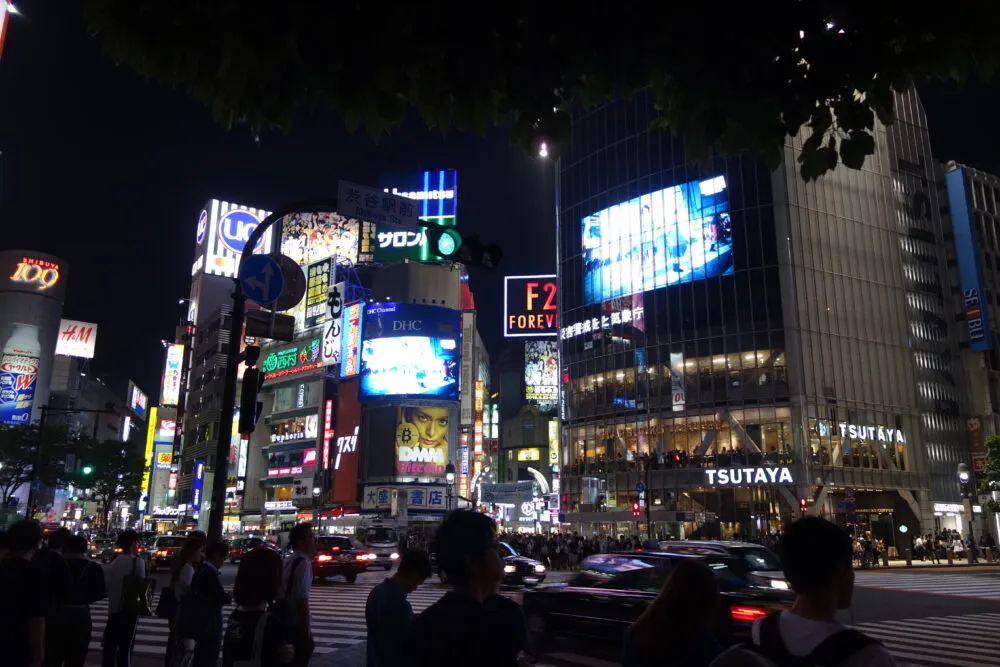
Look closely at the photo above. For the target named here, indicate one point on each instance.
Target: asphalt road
(936, 618)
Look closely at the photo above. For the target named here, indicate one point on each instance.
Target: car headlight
(780, 584)
(539, 568)
(508, 569)
(372, 556)
(394, 556)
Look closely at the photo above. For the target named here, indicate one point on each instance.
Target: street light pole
(449, 478)
(964, 480)
(221, 473)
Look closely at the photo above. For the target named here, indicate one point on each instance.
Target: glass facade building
(738, 345)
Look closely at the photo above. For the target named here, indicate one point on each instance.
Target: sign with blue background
(436, 195)
(199, 482)
(235, 228)
(969, 269)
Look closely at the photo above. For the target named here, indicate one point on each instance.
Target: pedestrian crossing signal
(803, 505)
(635, 509)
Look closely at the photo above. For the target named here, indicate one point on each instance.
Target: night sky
(109, 172)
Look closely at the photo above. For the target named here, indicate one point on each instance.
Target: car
(163, 549)
(382, 544)
(518, 570)
(760, 561)
(611, 590)
(102, 550)
(242, 545)
(338, 555)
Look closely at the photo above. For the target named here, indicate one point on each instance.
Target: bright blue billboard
(969, 270)
(436, 194)
(676, 235)
(411, 351)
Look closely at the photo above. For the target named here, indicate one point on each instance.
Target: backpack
(772, 652)
(258, 645)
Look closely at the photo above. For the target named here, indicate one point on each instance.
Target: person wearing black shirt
(388, 614)
(207, 587)
(257, 584)
(22, 606)
(87, 587)
(452, 629)
(56, 584)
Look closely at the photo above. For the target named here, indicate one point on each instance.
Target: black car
(762, 564)
(163, 549)
(241, 546)
(518, 570)
(611, 590)
(337, 555)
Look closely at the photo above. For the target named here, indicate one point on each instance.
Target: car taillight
(161, 552)
(747, 614)
(324, 557)
(336, 549)
(361, 557)
(118, 550)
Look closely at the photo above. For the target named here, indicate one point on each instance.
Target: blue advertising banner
(199, 481)
(969, 270)
(411, 351)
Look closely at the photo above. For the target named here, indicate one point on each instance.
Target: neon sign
(36, 271)
(292, 360)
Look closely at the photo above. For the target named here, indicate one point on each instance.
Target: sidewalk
(897, 563)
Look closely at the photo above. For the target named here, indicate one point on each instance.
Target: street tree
(18, 454)
(728, 77)
(109, 471)
(991, 475)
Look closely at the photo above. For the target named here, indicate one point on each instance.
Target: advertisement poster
(318, 278)
(422, 441)
(436, 196)
(675, 235)
(170, 390)
(541, 374)
(350, 339)
(311, 237)
(222, 231)
(77, 339)
(677, 381)
(332, 330)
(411, 350)
(530, 307)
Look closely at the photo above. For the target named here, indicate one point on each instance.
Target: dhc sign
(235, 228)
(748, 476)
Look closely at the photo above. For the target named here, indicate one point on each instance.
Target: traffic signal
(250, 407)
(447, 243)
(635, 509)
(803, 505)
(86, 470)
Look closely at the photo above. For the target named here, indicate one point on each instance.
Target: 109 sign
(530, 307)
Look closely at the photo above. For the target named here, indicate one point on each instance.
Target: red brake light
(324, 557)
(336, 549)
(747, 614)
(361, 557)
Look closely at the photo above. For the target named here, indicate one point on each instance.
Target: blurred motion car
(163, 550)
(338, 555)
(610, 591)
(382, 543)
(518, 570)
(761, 563)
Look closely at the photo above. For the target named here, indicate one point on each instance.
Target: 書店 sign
(748, 476)
(530, 307)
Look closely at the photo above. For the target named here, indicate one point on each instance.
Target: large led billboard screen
(676, 235)
(436, 194)
(411, 350)
(422, 441)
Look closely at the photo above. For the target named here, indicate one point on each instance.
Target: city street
(930, 618)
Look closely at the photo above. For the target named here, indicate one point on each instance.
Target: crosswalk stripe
(957, 585)
(338, 619)
(959, 640)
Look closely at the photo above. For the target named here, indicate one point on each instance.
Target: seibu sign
(748, 476)
(530, 307)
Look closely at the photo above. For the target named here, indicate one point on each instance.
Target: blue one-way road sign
(261, 279)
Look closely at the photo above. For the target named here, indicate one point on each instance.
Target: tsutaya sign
(727, 476)
(864, 432)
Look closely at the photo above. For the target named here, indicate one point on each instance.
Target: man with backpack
(816, 557)
(297, 584)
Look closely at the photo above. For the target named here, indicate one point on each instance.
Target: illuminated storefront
(701, 373)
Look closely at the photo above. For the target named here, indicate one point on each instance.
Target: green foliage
(18, 451)
(728, 77)
(991, 473)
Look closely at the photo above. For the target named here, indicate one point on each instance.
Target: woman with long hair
(678, 626)
(181, 573)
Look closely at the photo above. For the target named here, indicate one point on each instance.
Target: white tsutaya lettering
(732, 476)
(711, 476)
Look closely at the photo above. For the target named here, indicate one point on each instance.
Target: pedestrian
(258, 582)
(452, 629)
(182, 569)
(56, 584)
(22, 606)
(296, 586)
(388, 614)
(207, 588)
(119, 633)
(87, 587)
(682, 616)
(816, 560)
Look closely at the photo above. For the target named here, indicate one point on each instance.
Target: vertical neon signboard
(199, 481)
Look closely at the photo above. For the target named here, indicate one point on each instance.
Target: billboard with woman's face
(422, 440)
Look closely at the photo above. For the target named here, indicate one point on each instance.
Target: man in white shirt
(816, 557)
(297, 584)
(119, 633)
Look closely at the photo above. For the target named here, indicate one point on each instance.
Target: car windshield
(379, 535)
(758, 559)
(507, 550)
(333, 542)
(164, 542)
